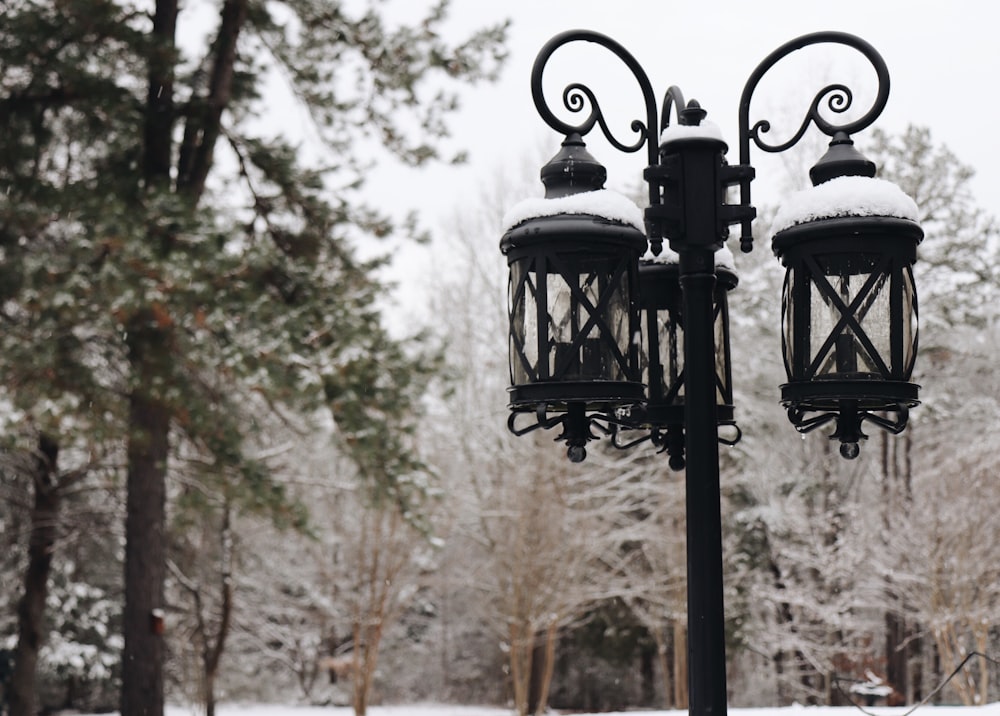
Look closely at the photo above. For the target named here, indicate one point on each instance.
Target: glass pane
(787, 320)
(617, 317)
(523, 325)
(588, 321)
(910, 322)
(670, 351)
(645, 347)
(720, 351)
(823, 317)
(846, 353)
(672, 354)
(562, 328)
(874, 316)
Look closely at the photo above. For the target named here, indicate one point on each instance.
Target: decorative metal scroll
(577, 97)
(837, 98)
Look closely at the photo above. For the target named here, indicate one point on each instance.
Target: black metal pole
(707, 692)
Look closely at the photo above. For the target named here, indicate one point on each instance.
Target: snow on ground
(449, 710)
(413, 710)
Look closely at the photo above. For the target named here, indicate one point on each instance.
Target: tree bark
(537, 676)
(665, 658)
(680, 666)
(213, 653)
(205, 125)
(897, 655)
(145, 521)
(149, 416)
(22, 696)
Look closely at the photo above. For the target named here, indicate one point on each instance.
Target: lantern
(661, 354)
(849, 306)
(573, 259)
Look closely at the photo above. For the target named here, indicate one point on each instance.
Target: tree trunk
(680, 666)
(213, 655)
(520, 664)
(22, 696)
(897, 496)
(145, 521)
(149, 416)
(897, 656)
(544, 663)
(665, 658)
(537, 676)
(647, 673)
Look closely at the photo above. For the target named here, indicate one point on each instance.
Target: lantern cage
(849, 323)
(572, 285)
(661, 360)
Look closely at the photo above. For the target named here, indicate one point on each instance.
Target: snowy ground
(443, 710)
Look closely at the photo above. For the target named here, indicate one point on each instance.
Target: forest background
(233, 467)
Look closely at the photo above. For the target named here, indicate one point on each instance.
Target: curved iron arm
(674, 98)
(577, 96)
(838, 99)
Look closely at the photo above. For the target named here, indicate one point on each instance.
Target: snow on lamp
(849, 304)
(572, 299)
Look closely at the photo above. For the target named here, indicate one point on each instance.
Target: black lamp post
(603, 339)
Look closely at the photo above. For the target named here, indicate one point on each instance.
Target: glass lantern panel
(720, 351)
(788, 319)
(583, 331)
(847, 277)
(645, 364)
(823, 316)
(617, 317)
(670, 351)
(874, 316)
(910, 322)
(523, 340)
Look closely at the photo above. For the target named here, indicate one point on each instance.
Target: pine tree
(164, 258)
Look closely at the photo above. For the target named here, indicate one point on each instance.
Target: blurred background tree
(172, 266)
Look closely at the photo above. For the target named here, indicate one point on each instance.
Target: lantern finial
(572, 170)
(841, 160)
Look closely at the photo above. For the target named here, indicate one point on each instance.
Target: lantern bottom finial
(848, 417)
(575, 421)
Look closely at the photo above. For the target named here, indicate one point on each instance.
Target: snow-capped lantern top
(845, 196)
(599, 203)
(844, 185)
(574, 186)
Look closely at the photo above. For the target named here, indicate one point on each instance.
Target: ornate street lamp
(583, 309)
